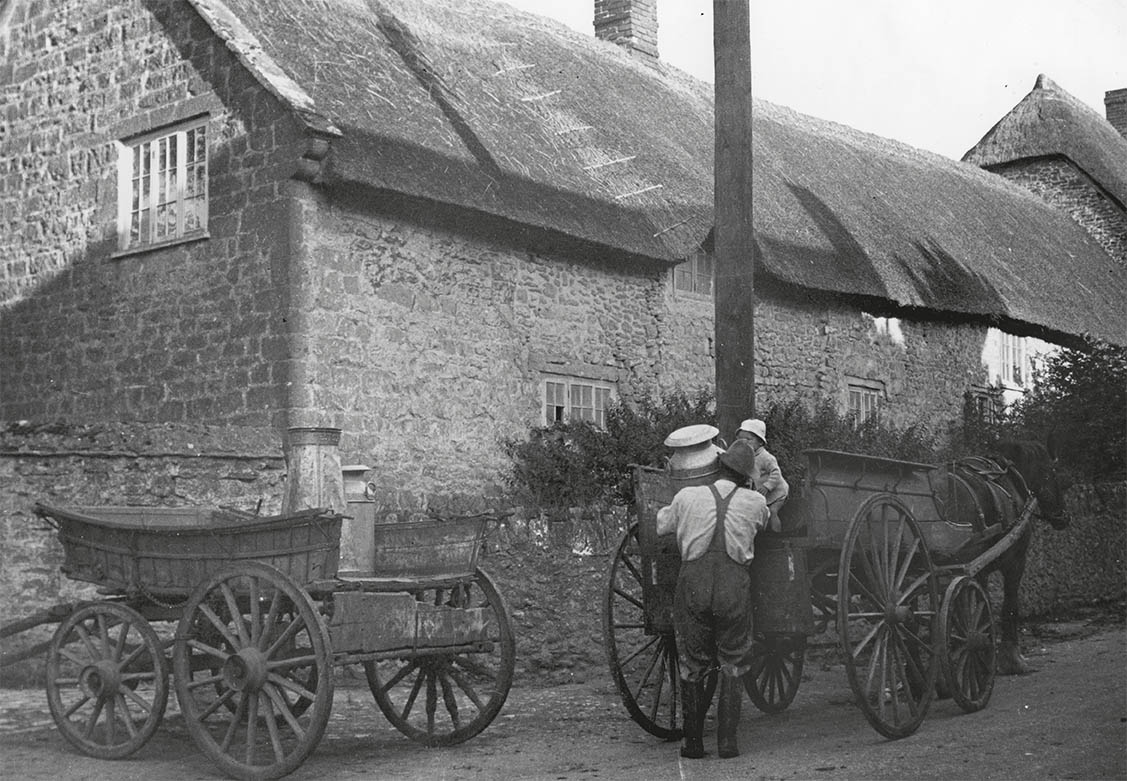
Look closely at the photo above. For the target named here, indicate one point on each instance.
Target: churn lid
(687, 436)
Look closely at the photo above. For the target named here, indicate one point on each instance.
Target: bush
(1079, 402)
(577, 464)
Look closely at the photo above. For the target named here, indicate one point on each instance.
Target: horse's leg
(1012, 567)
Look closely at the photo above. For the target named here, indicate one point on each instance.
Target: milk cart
(910, 612)
(249, 616)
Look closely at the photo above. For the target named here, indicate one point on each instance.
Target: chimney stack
(1115, 101)
(632, 24)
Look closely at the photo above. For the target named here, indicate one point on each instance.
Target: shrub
(577, 464)
(1079, 401)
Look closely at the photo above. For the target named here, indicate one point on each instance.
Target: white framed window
(865, 399)
(694, 275)
(569, 399)
(162, 186)
(985, 404)
(1015, 361)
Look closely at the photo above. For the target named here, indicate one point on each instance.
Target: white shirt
(692, 515)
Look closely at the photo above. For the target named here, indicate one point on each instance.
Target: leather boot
(692, 718)
(728, 716)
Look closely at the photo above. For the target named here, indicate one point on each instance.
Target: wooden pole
(734, 293)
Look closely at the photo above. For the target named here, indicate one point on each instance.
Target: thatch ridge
(481, 106)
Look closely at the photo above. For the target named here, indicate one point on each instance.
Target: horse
(1001, 485)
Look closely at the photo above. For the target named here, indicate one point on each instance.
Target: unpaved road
(1069, 720)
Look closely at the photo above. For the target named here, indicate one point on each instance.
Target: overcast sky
(936, 74)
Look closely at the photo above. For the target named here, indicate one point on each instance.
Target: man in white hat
(715, 526)
(767, 478)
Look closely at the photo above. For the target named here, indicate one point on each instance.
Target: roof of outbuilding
(478, 105)
(1051, 121)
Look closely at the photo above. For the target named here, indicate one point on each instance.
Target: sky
(935, 74)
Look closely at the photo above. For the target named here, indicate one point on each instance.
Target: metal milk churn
(695, 459)
(313, 476)
(358, 532)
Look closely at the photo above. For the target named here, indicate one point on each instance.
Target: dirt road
(1069, 720)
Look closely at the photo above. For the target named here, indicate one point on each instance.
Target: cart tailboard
(367, 622)
(438, 549)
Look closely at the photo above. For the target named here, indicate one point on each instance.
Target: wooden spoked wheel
(776, 671)
(969, 645)
(888, 602)
(441, 697)
(107, 680)
(643, 665)
(252, 667)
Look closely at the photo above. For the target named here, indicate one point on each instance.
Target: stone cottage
(434, 224)
(1057, 147)
(1061, 150)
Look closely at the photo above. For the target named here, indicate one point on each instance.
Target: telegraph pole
(734, 292)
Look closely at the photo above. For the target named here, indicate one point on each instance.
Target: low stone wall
(1085, 563)
(120, 464)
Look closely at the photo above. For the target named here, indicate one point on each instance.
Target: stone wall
(113, 464)
(810, 348)
(1059, 182)
(193, 331)
(1084, 563)
(427, 347)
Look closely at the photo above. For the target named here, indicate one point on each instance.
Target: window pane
(161, 206)
(683, 277)
(554, 402)
(582, 402)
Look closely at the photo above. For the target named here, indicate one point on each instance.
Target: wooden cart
(249, 616)
(910, 614)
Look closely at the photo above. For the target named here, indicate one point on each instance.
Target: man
(715, 526)
(767, 478)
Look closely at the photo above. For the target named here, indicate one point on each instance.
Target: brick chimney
(1115, 101)
(632, 24)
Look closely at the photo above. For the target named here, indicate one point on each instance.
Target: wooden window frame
(567, 399)
(869, 395)
(163, 186)
(695, 275)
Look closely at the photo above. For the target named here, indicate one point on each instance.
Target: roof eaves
(246, 47)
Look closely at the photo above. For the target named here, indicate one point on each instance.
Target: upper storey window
(162, 186)
(694, 275)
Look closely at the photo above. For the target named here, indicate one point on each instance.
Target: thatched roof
(478, 105)
(1048, 122)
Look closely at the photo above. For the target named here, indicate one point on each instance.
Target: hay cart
(874, 547)
(247, 615)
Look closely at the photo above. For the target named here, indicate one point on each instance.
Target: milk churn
(357, 532)
(313, 475)
(695, 459)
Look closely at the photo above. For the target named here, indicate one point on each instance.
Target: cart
(247, 616)
(885, 551)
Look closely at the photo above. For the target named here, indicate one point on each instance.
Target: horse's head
(1039, 470)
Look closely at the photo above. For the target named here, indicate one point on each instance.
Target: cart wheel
(776, 671)
(969, 641)
(252, 663)
(887, 612)
(644, 666)
(107, 680)
(471, 684)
